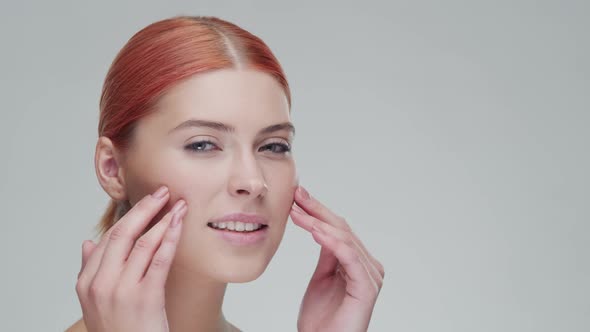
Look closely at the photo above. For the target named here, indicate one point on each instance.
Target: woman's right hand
(121, 282)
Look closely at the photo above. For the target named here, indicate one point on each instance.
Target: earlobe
(108, 170)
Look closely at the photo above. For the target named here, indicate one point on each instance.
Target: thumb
(326, 264)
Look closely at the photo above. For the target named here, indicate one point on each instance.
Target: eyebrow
(229, 129)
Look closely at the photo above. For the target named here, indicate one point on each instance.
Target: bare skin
(79, 326)
(235, 158)
(216, 171)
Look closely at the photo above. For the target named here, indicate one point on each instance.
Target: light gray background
(453, 135)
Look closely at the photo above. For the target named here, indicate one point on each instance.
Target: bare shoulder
(234, 328)
(78, 326)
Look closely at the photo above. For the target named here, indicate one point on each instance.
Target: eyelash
(192, 147)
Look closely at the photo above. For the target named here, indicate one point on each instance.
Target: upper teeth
(236, 226)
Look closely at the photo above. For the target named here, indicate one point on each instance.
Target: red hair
(161, 55)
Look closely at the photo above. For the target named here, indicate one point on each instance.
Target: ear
(107, 163)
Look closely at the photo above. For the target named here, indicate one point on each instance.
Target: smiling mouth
(237, 226)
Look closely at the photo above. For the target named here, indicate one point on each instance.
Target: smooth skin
(347, 280)
(122, 279)
(340, 296)
(128, 277)
(121, 285)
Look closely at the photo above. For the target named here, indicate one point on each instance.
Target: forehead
(241, 98)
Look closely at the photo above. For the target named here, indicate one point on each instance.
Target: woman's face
(233, 158)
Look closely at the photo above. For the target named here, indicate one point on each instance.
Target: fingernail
(161, 192)
(178, 206)
(303, 193)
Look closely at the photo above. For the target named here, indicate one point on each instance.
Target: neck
(194, 303)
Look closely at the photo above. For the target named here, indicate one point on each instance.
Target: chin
(234, 264)
(244, 270)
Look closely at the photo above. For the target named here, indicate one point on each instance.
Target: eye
(278, 148)
(200, 146)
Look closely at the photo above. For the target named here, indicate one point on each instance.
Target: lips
(240, 228)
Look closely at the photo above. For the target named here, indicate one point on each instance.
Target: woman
(194, 149)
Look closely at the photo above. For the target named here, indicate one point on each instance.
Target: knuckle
(98, 290)
(349, 240)
(95, 291)
(342, 246)
(144, 243)
(355, 258)
(81, 287)
(348, 252)
(117, 233)
(170, 239)
(160, 262)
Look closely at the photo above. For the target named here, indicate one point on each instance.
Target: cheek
(196, 183)
(146, 172)
(282, 181)
(193, 182)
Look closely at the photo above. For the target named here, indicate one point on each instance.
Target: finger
(327, 262)
(87, 248)
(308, 222)
(326, 215)
(326, 266)
(127, 230)
(89, 271)
(301, 218)
(144, 248)
(95, 259)
(374, 262)
(359, 282)
(348, 238)
(157, 272)
(315, 208)
(373, 265)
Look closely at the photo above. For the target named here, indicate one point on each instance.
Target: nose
(247, 179)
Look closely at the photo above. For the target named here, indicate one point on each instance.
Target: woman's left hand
(347, 279)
